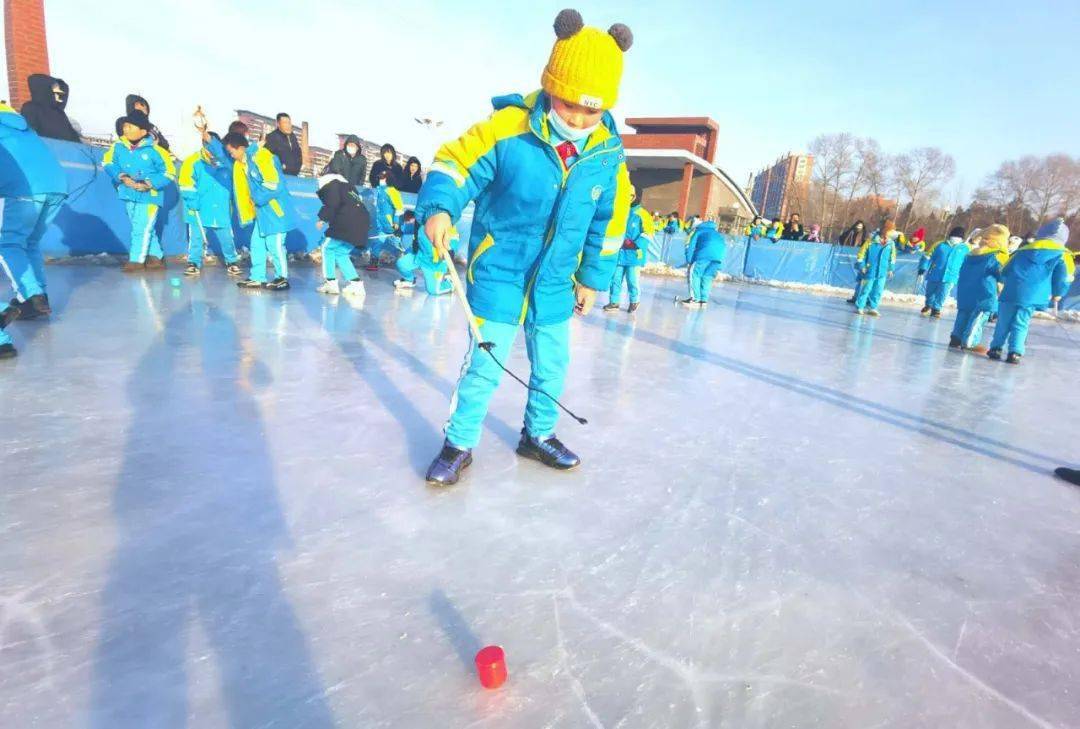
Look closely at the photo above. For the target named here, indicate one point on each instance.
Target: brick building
(25, 46)
(671, 163)
(777, 189)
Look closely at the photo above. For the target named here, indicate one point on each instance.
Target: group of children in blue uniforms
(989, 281)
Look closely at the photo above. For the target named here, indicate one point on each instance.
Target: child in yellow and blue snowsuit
(705, 253)
(426, 258)
(943, 263)
(257, 171)
(632, 256)
(776, 231)
(346, 220)
(140, 170)
(32, 190)
(548, 174)
(1038, 274)
(206, 189)
(876, 262)
(389, 210)
(977, 288)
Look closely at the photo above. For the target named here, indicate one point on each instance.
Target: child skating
(632, 256)
(942, 270)
(705, 253)
(269, 203)
(548, 174)
(206, 190)
(1037, 275)
(977, 289)
(140, 170)
(425, 258)
(388, 215)
(876, 262)
(346, 221)
(32, 190)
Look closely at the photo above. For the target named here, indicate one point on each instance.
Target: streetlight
(431, 125)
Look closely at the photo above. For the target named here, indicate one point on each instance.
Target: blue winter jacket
(1036, 272)
(977, 286)
(706, 244)
(27, 165)
(538, 226)
(639, 233)
(876, 259)
(206, 188)
(273, 205)
(143, 161)
(388, 209)
(945, 262)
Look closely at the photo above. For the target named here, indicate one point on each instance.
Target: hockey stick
(459, 292)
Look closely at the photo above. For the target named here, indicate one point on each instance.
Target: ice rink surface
(212, 514)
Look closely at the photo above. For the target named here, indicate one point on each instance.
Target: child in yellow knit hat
(548, 174)
(977, 288)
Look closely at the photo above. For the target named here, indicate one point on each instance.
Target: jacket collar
(537, 104)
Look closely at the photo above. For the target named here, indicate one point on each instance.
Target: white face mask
(352, 149)
(567, 132)
(954, 240)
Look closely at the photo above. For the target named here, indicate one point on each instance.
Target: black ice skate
(446, 469)
(250, 283)
(1014, 358)
(613, 306)
(632, 308)
(7, 351)
(935, 313)
(955, 343)
(550, 451)
(994, 354)
(278, 284)
(1071, 475)
(192, 270)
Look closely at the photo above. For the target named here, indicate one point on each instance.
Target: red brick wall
(27, 51)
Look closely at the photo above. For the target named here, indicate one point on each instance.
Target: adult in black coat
(348, 162)
(411, 179)
(793, 229)
(855, 235)
(343, 211)
(388, 163)
(285, 146)
(45, 111)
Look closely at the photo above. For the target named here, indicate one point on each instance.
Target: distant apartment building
(777, 189)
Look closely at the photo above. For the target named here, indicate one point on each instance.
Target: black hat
(957, 232)
(138, 119)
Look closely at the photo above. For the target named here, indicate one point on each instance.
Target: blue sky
(985, 81)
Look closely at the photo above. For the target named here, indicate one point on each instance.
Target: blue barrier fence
(94, 221)
(805, 263)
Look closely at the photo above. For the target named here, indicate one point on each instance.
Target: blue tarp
(94, 221)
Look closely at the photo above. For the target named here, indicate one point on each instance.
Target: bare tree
(920, 172)
(834, 162)
(1045, 186)
(1054, 186)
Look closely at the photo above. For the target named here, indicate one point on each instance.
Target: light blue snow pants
(1012, 327)
(548, 347)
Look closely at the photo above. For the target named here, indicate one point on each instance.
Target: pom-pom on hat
(586, 63)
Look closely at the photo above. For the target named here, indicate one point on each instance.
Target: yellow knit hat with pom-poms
(585, 66)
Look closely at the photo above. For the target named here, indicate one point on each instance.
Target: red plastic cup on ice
(491, 666)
